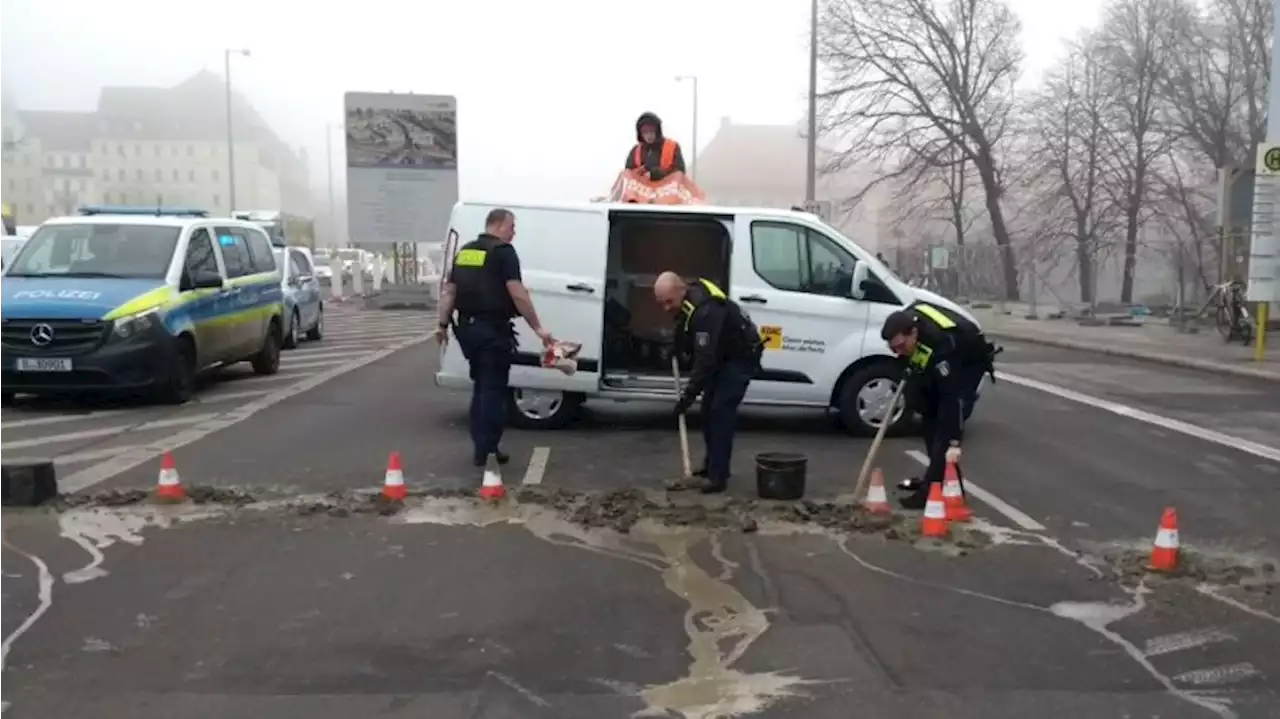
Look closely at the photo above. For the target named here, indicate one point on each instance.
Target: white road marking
(537, 465)
(1224, 674)
(91, 455)
(1182, 641)
(1173, 425)
(109, 431)
(1017, 516)
(319, 363)
(95, 474)
(212, 395)
(45, 597)
(310, 355)
(57, 418)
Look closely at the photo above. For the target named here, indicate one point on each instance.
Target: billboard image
(402, 166)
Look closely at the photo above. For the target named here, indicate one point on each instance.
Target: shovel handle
(684, 431)
(875, 444)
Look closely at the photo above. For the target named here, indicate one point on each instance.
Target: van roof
(158, 221)
(607, 207)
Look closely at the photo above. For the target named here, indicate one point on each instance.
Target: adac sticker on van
(772, 337)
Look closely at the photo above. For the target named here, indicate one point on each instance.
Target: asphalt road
(304, 601)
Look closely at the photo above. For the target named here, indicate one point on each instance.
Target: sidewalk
(1154, 341)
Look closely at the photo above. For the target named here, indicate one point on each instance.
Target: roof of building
(194, 109)
(65, 131)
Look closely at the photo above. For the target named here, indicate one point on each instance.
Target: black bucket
(780, 475)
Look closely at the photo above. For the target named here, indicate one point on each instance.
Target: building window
(177, 176)
(173, 151)
(106, 175)
(138, 174)
(137, 150)
(106, 198)
(120, 150)
(82, 161)
(159, 151)
(159, 175)
(191, 175)
(191, 150)
(120, 174)
(214, 174)
(217, 200)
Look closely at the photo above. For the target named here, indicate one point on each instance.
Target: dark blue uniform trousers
(720, 401)
(489, 347)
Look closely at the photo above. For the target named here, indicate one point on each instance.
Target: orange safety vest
(667, 160)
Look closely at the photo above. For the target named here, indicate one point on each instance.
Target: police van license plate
(44, 364)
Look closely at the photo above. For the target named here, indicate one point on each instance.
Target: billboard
(402, 166)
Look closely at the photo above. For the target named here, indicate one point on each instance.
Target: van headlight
(130, 325)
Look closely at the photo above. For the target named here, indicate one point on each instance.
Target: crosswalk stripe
(108, 431)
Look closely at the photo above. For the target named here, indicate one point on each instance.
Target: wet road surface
(291, 594)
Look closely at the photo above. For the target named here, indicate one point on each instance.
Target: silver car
(303, 303)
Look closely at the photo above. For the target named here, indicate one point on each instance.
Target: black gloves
(683, 404)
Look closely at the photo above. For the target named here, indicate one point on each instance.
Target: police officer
(726, 348)
(486, 289)
(946, 356)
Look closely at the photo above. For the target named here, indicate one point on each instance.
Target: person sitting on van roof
(654, 155)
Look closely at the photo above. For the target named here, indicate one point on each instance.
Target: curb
(1171, 360)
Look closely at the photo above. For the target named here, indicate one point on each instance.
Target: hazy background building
(765, 166)
(144, 145)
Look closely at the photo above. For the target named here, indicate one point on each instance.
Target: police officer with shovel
(945, 356)
(726, 349)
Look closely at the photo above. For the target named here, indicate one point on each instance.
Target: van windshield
(97, 250)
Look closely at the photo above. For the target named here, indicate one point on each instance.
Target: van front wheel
(542, 409)
(864, 397)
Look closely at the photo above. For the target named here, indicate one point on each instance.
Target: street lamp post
(231, 147)
(811, 164)
(693, 167)
(328, 153)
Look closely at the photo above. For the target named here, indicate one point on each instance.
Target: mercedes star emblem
(41, 335)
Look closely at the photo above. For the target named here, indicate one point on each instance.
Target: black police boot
(710, 487)
(914, 493)
(701, 471)
(502, 457)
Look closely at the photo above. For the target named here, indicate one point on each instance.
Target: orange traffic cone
(953, 496)
(1164, 553)
(491, 487)
(168, 485)
(934, 523)
(877, 502)
(393, 484)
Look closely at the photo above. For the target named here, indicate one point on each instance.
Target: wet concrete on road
(285, 592)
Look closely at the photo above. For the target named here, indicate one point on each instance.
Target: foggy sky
(548, 92)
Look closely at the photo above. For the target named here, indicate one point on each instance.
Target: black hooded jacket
(651, 155)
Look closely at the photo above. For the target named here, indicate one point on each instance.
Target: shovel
(875, 444)
(684, 431)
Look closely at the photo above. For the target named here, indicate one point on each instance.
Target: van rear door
(562, 261)
(562, 257)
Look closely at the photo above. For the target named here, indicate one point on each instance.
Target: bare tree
(1135, 48)
(915, 85)
(1069, 116)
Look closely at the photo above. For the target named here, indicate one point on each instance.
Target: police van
(818, 298)
(137, 300)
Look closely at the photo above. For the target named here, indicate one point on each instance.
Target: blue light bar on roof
(142, 210)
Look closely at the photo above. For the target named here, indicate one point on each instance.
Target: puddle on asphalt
(720, 623)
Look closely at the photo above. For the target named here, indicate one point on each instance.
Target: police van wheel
(317, 332)
(542, 409)
(291, 337)
(182, 375)
(863, 397)
(267, 361)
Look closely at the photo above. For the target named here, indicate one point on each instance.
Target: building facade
(150, 145)
(766, 165)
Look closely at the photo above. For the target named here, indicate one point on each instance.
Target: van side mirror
(203, 281)
(860, 275)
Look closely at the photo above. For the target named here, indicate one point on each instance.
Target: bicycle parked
(1231, 310)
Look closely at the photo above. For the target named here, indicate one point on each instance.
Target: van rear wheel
(542, 408)
(865, 396)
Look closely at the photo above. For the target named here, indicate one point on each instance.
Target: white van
(818, 298)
